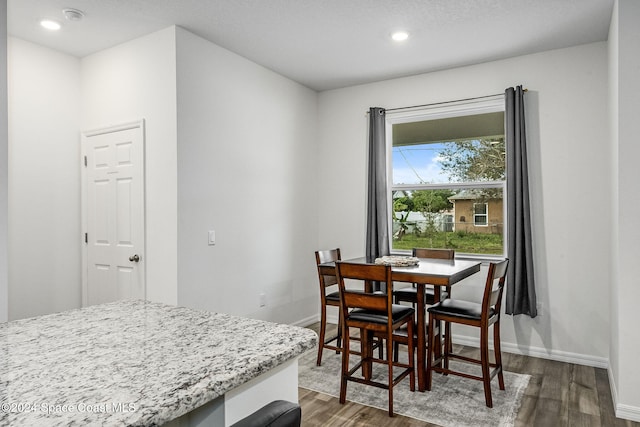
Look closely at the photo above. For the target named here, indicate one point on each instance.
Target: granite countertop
(132, 362)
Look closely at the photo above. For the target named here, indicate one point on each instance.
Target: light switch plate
(212, 237)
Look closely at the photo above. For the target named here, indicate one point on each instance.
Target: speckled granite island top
(132, 362)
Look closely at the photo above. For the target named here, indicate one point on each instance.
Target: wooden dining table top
(430, 271)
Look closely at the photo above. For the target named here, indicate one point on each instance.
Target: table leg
(448, 344)
(421, 326)
(437, 351)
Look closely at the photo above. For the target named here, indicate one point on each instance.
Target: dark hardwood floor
(559, 394)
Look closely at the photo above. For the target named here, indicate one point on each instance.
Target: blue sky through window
(417, 164)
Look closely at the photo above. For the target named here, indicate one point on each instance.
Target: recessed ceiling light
(400, 36)
(50, 24)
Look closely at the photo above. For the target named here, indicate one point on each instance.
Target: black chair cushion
(398, 312)
(278, 413)
(333, 296)
(458, 308)
(410, 294)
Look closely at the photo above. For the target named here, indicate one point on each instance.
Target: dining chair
(481, 315)
(374, 314)
(328, 299)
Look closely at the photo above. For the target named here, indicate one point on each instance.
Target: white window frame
(485, 215)
(489, 104)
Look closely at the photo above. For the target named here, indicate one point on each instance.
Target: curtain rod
(446, 102)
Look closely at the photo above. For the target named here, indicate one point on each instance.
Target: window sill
(484, 259)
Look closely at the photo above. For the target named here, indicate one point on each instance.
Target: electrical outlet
(263, 300)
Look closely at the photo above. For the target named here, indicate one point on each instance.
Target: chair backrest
(448, 254)
(433, 253)
(322, 257)
(363, 297)
(492, 297)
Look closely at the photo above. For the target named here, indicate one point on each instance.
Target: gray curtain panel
(521, 291)
(377, 243)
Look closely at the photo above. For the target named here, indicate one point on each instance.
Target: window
(448, 177)
(480, 214)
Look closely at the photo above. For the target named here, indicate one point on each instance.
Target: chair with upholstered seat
(279, 413)
(481, 315)
(328, 299)
(375, 315)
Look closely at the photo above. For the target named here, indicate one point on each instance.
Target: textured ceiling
(327, 44)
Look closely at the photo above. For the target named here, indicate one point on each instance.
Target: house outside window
(447, 178)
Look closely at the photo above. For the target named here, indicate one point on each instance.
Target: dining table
(428, 271)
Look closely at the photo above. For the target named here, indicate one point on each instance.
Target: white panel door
(113, 214)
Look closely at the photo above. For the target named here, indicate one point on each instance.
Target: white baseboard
(627, 412)
(542, 353)
(331, 319)
(303, 323)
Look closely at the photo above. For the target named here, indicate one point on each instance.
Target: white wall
(247, 169)
(4, 175)
(614, 338)
(567, 129)
(44, 172)
(132, 81)
(625, 105)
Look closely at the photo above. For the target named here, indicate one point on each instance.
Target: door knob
(134, 258)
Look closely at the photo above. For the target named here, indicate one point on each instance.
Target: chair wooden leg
(498, 353)
(484, 358)
(339, 339)
(448, 346)
(390, 370)
(345, 365)
(411, 345)
(323, 328)
(432, 341)
(437, 350)
(448, 338)
(366, 351)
